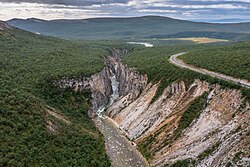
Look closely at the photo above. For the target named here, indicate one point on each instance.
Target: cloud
(66, 2)
(78, 9)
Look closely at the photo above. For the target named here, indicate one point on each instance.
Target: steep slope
(187, 123)
(125, 28)
(4, 26)
(114, 81)
(130, 82)
(184, 123)
(173, 115)
(199, 123)
(42, 125)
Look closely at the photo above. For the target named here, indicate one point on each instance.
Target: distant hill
(122, 28)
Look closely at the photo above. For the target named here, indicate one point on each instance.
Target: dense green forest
(233, 60)
(155, 63)
(29, 63)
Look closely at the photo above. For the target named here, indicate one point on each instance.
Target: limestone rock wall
(220, 134)
(131, 83)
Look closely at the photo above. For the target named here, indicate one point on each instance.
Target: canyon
(200, 124)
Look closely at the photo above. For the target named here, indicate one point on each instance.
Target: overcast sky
(197, 10)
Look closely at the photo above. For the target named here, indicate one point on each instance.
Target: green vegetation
(233, 60)
(154, 62)
(182, 163)
(29, 63)
(192, 113)
(237, 157)
(207, 152)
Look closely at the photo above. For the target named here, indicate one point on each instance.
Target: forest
(232, 60)
(29, 63)
(154, 62)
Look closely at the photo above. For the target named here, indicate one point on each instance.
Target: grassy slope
(28, 63)
(231, 60)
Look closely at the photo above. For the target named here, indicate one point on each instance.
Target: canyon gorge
(200, 124)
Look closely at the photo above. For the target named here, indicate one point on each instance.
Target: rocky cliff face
(200, 124)
(129, 81)
(219, 136)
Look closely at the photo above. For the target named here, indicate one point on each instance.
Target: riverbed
(120, 150)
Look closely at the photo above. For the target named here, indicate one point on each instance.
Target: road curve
(174, 60)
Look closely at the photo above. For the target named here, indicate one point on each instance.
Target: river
(120, 150)
(141, 43)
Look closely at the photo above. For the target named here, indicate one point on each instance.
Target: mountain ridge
(121, 28)
(4, 26)
(115, 18)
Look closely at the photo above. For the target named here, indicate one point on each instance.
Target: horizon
(124, 17)
(210, 11)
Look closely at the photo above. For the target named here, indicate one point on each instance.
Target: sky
(195, 10)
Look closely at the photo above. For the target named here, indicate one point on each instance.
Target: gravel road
(174, 60)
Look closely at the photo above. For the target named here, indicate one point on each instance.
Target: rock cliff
(218, 134)
(200, 124)
(130, 82)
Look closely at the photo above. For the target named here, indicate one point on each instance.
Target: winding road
(174, 60)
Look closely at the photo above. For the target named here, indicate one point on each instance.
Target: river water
(119, 149)
(114, 96)
(141, 43)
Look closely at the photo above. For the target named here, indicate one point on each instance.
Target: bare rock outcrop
(131, 83)
(218, 136)
(215, 138)
(141, 118)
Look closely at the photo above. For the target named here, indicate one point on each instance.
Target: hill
(4, 26)
(122, 28)
(40, 124)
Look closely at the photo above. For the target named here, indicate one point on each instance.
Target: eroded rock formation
(130, 81)
(219, 134)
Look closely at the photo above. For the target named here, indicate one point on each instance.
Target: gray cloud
(200, 10)
(67, 2)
